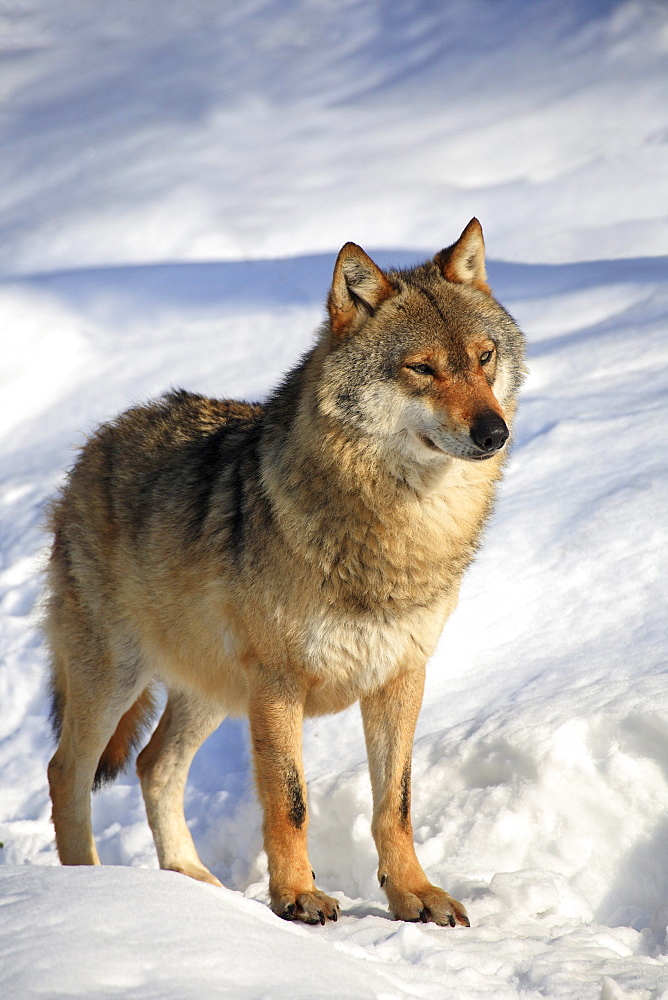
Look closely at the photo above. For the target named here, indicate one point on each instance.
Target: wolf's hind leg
(90, 705)
(163, 769)
(71, 775)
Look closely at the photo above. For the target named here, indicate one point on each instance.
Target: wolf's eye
(486, 357)
(422, 369)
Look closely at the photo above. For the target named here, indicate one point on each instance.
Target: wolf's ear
(464, 261)
(358, 288)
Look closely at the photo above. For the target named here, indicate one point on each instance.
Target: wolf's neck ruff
(384, 532)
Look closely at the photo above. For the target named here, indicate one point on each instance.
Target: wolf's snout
(489, 432)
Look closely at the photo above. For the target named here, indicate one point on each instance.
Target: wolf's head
(425, 361)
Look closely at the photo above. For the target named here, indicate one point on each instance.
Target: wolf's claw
(311, 907)
(427, 904)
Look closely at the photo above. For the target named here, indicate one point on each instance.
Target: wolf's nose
(489, 432)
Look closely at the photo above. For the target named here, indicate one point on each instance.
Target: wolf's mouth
(483, 456)
(430, 444)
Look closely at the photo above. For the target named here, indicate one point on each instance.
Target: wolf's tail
(128, 736)
(131, 728)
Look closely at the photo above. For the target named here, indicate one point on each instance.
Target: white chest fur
(350, 655)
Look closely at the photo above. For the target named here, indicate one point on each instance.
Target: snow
(176, 182)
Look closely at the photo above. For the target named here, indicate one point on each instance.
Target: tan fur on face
(281, 561)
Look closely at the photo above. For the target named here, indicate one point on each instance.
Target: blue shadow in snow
(305, 280)
(223, 762)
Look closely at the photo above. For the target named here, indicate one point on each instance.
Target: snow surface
(176, 180)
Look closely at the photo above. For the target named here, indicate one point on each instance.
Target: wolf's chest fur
(347, 656)
(369, 591)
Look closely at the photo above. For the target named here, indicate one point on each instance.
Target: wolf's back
(164, 458)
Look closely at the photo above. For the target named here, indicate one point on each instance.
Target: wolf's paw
(198, 872)
(313, 907)
(427, 903)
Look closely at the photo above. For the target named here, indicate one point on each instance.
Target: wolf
(284, 560)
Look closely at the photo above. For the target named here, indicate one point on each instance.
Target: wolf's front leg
(389, 717)
(276, 716)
